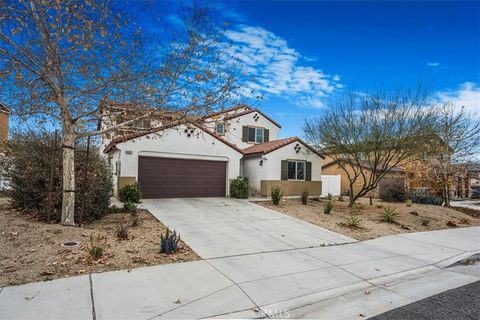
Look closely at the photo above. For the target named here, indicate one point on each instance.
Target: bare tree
(60, 59)
(369, 135)
(459, 135)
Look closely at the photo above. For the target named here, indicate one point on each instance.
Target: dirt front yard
(415, 218)
(31, 250)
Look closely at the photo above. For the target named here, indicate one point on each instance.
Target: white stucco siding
(174, 143)
(254, 172)
(274, 161)
(234, 126)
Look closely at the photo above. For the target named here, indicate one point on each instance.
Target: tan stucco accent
(291, 188)
(124, 181)
(3, 126)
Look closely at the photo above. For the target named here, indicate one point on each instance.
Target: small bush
(239, 188)
(329, 196)
(393, 190)
(352, 222)
(305, 197)
(425, 197)
(425, 221)
(122, 230)
(340, 198)
(129, 207)
(97, 246)
(414, 213)
(115, 209)
(389, 214)
(379, 206)
(328, 207)
(169, 242)
(135, 221)
(276, 194)
(130, 193)
(408, 203)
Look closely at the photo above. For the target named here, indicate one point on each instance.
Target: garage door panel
(166, 177)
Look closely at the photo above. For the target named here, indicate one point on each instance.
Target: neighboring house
(395, 178)
(473, 171)
(4, 115)
(199, 157)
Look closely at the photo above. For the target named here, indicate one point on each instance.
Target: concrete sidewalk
(355, 280)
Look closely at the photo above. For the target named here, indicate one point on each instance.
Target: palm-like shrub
(328, 207)
(389, 214)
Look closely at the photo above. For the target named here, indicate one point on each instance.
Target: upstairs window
(255, 135)
(296, 170)
(220, 128)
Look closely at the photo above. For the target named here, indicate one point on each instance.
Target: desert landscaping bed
(31, 250)
(417, 217)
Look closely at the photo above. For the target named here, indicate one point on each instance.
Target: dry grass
(371, 226)
(30, 250)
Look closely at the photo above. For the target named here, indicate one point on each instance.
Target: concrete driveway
(221, 227)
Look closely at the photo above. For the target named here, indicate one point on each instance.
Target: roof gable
(250, 111)
(267, 147)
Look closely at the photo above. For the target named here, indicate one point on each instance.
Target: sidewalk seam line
(94, 314)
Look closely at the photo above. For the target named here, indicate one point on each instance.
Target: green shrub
(423, 196)
(114, 209)
(328, 207)
(169, 242)
(389, 214)
(97, 246)
(130, 193)
(305, 197)
(408, 203)
(352, 222)
(29, 156)
(135, 221)
(276, 194)
(329, 196)
(239, 188)
(425, 221)
(129, 207)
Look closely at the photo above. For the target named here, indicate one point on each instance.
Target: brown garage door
(170, 178)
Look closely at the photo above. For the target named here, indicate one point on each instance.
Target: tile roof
(131, 136)
(267, 147)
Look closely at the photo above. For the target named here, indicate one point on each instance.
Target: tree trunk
(351, 201)
(68, 203)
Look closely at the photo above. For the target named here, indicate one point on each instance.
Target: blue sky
(302, 53)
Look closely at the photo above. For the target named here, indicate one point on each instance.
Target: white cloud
(467, 95)
(277, 69)
(433, 64)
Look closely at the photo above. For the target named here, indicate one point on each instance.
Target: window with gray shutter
(308, 171)
(266, 135)
(245, 134)
(284, 173)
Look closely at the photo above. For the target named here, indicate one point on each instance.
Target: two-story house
(199, 158)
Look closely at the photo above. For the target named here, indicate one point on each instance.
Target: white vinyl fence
(331, 184)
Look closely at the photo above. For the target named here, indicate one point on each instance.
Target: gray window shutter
(266, 135)
(284, 173)
(308, 171)
(245, 134)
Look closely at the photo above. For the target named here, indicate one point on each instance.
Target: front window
(220, 128)
(296, 170)
(255, 135)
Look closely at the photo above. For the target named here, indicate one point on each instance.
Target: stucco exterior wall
(174, 143)
(233, 128)
(255, 173)
(274, 161)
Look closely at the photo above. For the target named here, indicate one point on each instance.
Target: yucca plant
(122, 230)
(352, 222)
(328, 207)
(389, 214)
(169, 242)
